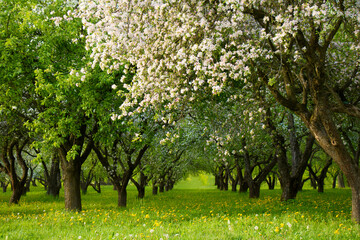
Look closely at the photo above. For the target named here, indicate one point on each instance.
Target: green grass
(197, 212)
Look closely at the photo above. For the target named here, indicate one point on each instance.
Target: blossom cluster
(182, 48)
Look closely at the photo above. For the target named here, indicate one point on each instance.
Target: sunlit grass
(197, 213)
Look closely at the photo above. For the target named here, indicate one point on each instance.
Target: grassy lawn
(193, 210)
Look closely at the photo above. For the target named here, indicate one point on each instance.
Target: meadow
(193, 210)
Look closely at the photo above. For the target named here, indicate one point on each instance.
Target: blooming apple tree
(305, 52)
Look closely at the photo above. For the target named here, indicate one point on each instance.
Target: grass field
(193, 210)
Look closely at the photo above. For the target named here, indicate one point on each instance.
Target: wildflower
(256, 227)
(277, 229)
(152, 230)
(289, 225)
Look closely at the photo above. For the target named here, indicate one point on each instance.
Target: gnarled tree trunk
(53, 178)
(71, 167)
(11, 154)
(71, 178)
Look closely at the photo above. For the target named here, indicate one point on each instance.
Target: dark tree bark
(226, 178)
(244, 186)
(333, 185)
(162, 185)
(30, 178)
(220, 178)
(96, 185)
(290, 176)
(223, 179)
(271, 181)
(71, 178)
(313, 181)
(85, 181)
(234, 182)
(120, 182)
(71, 167)
(141, 184)
(341, 181)
(255, 183)
(321, 96)
(42, 181)
(4, 185)
(155, 188)
(53, 178)
(321, 177)
(12, 155)
(303, 182)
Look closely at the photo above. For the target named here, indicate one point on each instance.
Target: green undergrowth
(194, 213)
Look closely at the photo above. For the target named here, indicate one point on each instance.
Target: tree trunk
(233, 186)
(4, 186)
(254, 190)
(71, 178)
(18, 190)
(334, 181)
(140, 186)
(217, 181)
(84, 188)
(33, 183)
(226, 179)
(355, 211)
(341, 182)
(85, 181)
(155, 189)
(54, 178)
(96, 186)
(161, 186)
(122, 196)
(271, 180)
(313, 182)
(141, 192)
(321, 178)
(290, 188)
(328, 137)
(242, 183)
(10, 160)
(28, 181)
(320, 185)
(235, 180)
(168, 185)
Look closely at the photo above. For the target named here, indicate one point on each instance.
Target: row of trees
(262, 87)
(50, 118)
(302, 54)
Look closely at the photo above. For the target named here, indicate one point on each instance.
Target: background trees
(157, 89)
(291, 49)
